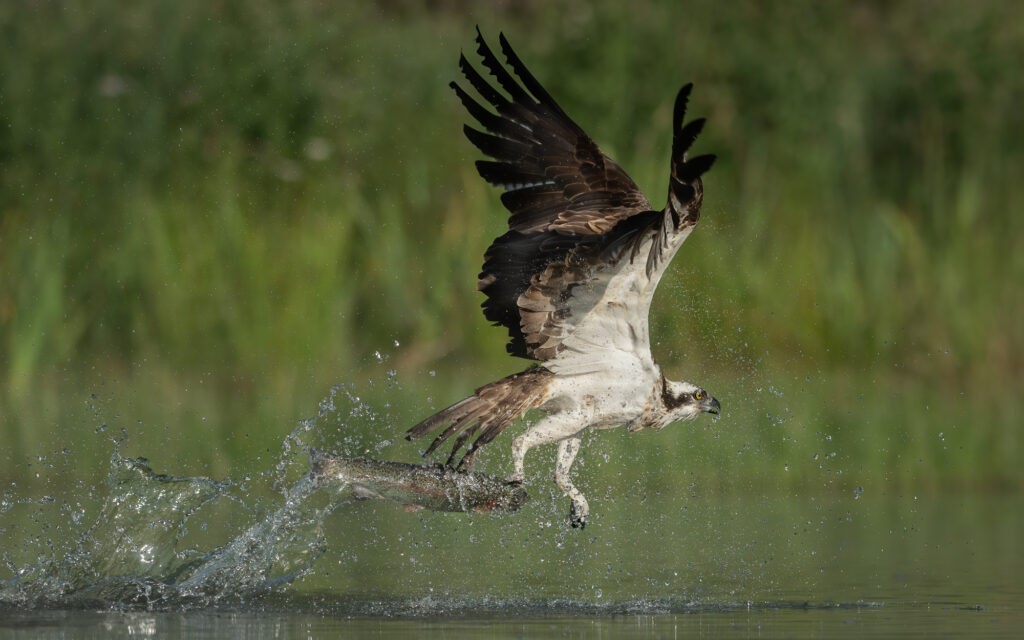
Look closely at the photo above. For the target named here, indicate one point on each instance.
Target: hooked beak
(710, 405)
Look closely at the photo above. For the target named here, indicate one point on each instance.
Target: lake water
(169, 556)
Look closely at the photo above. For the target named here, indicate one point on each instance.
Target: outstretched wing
(584, 251)
(611, 312)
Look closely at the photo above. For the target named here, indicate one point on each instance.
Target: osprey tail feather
(488, 411)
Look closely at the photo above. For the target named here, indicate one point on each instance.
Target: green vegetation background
(211, 213)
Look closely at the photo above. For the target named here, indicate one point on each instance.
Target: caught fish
(433, 487)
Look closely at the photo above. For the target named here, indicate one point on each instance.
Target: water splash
(140, 548)
(151, 541)
(160, 541)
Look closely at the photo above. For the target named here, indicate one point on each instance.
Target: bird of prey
(573, 278)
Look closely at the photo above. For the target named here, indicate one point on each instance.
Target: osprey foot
(577, 515)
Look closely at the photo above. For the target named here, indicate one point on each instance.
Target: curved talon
(577, 516)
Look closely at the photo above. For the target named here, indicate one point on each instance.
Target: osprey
(572, 279)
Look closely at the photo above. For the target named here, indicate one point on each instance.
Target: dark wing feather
(685, 197)
(574, 212)
(532, 280)
(558, 175)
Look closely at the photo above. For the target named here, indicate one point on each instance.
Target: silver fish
(433, 487)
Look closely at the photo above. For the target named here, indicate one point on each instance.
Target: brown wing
(607, 319)
(560, 189)
(555, 177)
(574, 213)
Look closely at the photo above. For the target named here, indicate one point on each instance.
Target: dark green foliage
(260, 195)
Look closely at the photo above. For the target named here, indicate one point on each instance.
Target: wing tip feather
(679, 109)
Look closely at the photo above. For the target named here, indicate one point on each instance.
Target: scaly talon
(577, 516)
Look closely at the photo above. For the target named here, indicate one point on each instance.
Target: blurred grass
(211, 212)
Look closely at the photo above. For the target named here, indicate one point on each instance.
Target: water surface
(176, 556)
(271, 553)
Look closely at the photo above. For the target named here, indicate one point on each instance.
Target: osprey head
(685, 401)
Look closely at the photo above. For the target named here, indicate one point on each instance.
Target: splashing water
(149, 544)
(132, 554)
(170, 543)
(165, 542)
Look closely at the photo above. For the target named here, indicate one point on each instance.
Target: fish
(420, 486)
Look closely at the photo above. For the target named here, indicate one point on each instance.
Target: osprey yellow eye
(697, 394)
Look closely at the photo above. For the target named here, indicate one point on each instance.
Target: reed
(232, 206)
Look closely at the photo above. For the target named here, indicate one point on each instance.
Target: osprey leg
(551, 429)
(567, 450)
